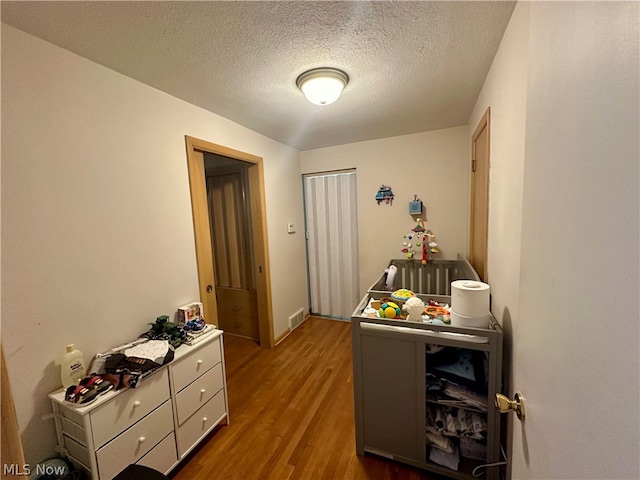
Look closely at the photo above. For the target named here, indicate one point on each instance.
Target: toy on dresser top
(163, 329)
(191, 314)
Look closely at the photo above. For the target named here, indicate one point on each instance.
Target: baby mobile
(420, 239)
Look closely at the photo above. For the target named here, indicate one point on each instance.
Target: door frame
(482, 125)
(12, 451)
(202, 231)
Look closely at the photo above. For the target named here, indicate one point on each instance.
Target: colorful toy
(402, 295)
(436, 311)
(389, 310)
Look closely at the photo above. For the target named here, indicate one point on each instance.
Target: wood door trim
(12, 453)
(204, 257)
(484, 121)
(482, 125)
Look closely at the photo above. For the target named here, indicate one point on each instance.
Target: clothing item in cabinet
(432, 349)
(449, 460)
(475, 449)
(456, 422)
(466, 395)
(437, 440)
(434, 384)
(461, 366)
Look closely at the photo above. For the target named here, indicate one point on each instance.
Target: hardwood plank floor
(291, 414)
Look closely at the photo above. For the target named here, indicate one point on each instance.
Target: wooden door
(196, 149)
(229, 214)
(12, 453)
(480, 197)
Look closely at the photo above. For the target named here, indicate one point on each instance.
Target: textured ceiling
(413, 65)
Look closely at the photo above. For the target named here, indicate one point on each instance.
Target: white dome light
(322, 86)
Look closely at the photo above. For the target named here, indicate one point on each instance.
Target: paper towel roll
(470, 298)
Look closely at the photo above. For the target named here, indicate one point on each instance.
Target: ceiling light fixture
(322, 86)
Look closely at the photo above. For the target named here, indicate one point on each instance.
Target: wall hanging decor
(384, 194)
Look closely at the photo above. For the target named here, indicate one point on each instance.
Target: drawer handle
(136, 403)
(142, 439)
(203, 391)
(204, 420)
(200, 362)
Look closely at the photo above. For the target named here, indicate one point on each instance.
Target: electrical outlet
(291, 228)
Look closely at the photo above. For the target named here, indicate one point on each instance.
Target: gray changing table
(392, 360)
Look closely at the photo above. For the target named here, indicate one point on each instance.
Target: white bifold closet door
(332, 243)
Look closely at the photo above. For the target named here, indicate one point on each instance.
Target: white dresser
(155, 424)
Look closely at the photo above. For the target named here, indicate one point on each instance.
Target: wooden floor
(291, 413)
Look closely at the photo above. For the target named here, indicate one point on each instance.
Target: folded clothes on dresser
(126, 365)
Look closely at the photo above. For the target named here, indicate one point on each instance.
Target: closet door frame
(202, 231)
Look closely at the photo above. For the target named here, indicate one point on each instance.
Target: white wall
(574, 334)
(434, 165)
(505, 92)
(97, 235)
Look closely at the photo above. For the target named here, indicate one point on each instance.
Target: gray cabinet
(391, 395)
(395, 366)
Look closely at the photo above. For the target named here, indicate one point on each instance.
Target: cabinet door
(391, 402)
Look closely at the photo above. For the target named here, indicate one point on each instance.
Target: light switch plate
(291, 228)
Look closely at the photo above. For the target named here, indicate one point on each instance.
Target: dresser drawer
(187, 369)
(127, 408)
(198, 393)
(134, 443)
(200, 423)
(163, 456)
(73, 430)
(77, 451)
